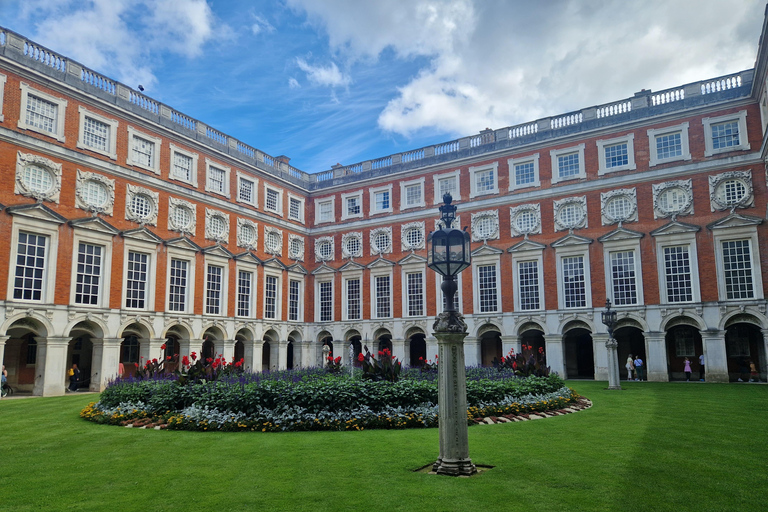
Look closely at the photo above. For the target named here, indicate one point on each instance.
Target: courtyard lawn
(676, 446)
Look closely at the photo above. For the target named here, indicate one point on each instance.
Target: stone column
(715, 357)
(398, 350)
(510, 343)
(452, 398)
(248, 346)
(225, 348)
(602, 356)
(149, 348)
(471, 351)
(555, 359)
(307, 353)
(3, 339)
(106, 362)
(431, 342)
(51, 379)
(656, 356)
(258, 355)
(764, 369)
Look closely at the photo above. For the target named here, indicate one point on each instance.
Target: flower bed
(314, 399)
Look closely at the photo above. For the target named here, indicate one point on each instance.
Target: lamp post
(609, 319)
(449, 254)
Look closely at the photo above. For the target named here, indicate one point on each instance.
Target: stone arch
(682, 339)
(530, 326)
(383, 339)
(578, 350)
(491, 348)
(354, 338)
(488, 327)
(21, 351)
(413, 330)
(632, 320)
(744, 344)
(137, 327)
(214, 332)
(742, 317)
(269, 350)
(575, 324)
(31, 321)
(180, 330)
(685, 318)
(294, 356)
(94, 327)
(416, 346)
(80, 349)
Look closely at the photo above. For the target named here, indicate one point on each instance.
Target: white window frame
(279, 207)
(111, 150)
(624, 246)
(241, 266)
(380, 273)
(676, 240)
(684, 144)
(3, 78)
(404, 185)
(300, 217)
(567, 252)
(189, 257)
(157, 141)
(358, 194)
(376, 190)
(276, 273)
(40, 228)
(323, 201)
(741, 118)
(345, 277)
(455, 175)
(189, 154)
(555, 155)
(151, 250)
(215, 165)
(473, 175)
(439, 293)
(412, 269)
(105, 241)
(483, 261)
(255, 182)
(319, 280)
(300, 313)
(512, 162)
(223, 264)
(61, 106)
(602, 163)
(522, 257)
(740, 233)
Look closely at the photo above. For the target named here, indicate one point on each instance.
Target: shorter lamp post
(609, 319)
(449, 254)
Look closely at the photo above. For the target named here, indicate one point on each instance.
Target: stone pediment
(413, 259)
(570, 239)
(323, 269)
(735, 220)
(217, 250)
(95, 224)
(142, 234)
(298, 268)
(351, 266)
(248, 257)
(486, 250)
(37, 211)
(184, 243)
(275, 263)
(381, 263)
(620, 234)
(675, 227)
(527, 245)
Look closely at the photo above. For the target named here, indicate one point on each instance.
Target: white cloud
(329, 76)
(121, 37)
(293, 83)
(493, 64)
(260, 25)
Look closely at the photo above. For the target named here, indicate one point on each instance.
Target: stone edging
(582, 404)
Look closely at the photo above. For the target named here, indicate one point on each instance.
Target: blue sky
(342, 81)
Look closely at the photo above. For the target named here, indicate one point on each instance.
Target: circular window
(673, 200)
(731, 192)
(182, 217)
(619, 208)
(141, 206)
(217, 226)
(414, 237)
(37, 179)
(247, 234)
(296, 247)
(485, 227)
(353, 246)
(381, 241)
(526, 221)
(325, 249)
(570, 215)
(273, 241)
(94, 193)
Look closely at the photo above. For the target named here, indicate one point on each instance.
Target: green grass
(650, 447)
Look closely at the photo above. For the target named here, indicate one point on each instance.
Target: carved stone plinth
(613, 363)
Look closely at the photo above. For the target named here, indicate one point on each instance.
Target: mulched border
(582, 404)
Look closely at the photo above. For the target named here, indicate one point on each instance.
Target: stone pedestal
(452, 399)
(613, 363)
(601, 356)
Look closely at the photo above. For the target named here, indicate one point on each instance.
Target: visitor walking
(701, 367)
(687, 370)
(74, 377)
(3, 381)
(630, 366)
(639, 369)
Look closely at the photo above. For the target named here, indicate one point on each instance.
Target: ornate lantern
(449, 251)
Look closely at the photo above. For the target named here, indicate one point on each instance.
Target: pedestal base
(450, 467)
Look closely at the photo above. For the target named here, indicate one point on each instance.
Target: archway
(208, 351)
(682, 341)
(129, 356)
(743, 345)
(579, 354)
(269, 351)
(385, 342)
(630, 340)
(532, 336)
(353, 338)
(418, 349)
(239, 350)
(21, 354)
(289, 355)
(490, 347)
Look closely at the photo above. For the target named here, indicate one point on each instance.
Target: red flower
(137, 364)
(168, 358)
(209, 360)
(194, 356)
(330, 358)
(541, 350)
(337, 360)
(514, 365)
(154, 360)
(360, 357)
(238, 364)
(185, 361)
(421, 358)
(162, 347)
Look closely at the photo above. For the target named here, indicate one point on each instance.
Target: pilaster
(106, 362)
(3, 339)
(510, 343)
(224, 348)
(555, 359)
(51, 379)
(656, 359)
(715, 357)
(471, 351)
(602, 370)
(398, 350)
(431, 342)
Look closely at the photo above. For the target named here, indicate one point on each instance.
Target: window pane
(353, 299)
(41, 113)
(737, 269)
(88, 274)
(623, 278)
(524, 173)
(725, 135)
(143, 151)
(574, 288)
(568, 165)
(244, 280)
(415, 294)
(213, 290)
(177, 293)
(30, 267)
(182, 167)
(293, 300)
(487, 287)
(668, 146)
(326, 301)
(270, 297)
(677, 268)
(382, 297)
(616, 155)
(136, 283)
(528, 283)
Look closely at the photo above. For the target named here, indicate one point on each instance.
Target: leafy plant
(385, 368)
(333, 365)
(525, 364)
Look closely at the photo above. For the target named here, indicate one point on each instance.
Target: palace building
(126, 225)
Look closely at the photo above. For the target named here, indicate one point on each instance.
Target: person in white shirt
(639, 369)
(701, 367)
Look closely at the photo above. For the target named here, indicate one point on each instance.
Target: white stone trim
(251, 268)
(300, 312)
(516, 211)
(374, 273)
(350, 276)
(372, 192)
(559, 204)
(2, 95)
(536, 255)
(174, 253)
(154, 197)
(295, 253)
(631, 244)
(404, 185)
(278, 210)
(482, 261)
(493, 215)
(345, 215)
(629, 140)
(80, 199)
(150, 250)
(474, 171)
(24, 160)
(211, 214)
(555, 155)
(345, 239)
(738, 233)
(300, 217)
(685, 187)
(173, 204)
(676, 240)
(278, 275)
(211, 260)
(405, 229)
(513, 162)
(157, 141)
(716, 199)
(684, 144)
(325, 241)
(567, 252)
(36, 227)
(210, 164)
(189, 154)
(321, 202)
(741, 118)
(241, 176)
(325, 278)
(276, 251)
(456, 175)
(374, 233)
(413, 268)
(61, 106)
(111, 150)
(630, 194)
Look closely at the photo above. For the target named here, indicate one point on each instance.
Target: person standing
(74, 377)
(630, 366)
(687, 370)
(753, 375)
(701, 367)
(639, 369)
(3, 381)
